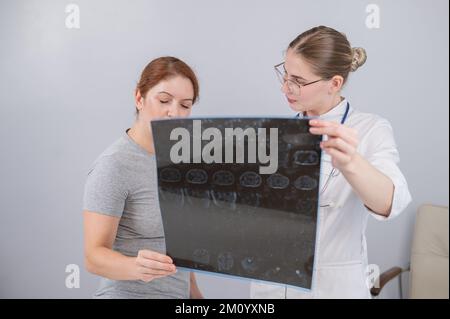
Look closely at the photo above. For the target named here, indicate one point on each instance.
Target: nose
(285, 88)
(172, 111)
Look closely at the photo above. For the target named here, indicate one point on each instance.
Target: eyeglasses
(293, 86)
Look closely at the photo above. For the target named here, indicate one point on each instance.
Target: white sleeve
(381, 151)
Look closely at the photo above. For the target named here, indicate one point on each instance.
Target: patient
(123, 232)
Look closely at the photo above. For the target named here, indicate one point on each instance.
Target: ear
(337, 82)
(138, 99)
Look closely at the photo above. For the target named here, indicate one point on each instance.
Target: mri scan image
(239, 196)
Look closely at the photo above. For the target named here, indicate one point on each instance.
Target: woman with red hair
(123, 231)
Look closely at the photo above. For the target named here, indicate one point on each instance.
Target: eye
(185, 106)
(163, 101)
(300, 82)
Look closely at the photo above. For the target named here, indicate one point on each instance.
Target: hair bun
(359, 57)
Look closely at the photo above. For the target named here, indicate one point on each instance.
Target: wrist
(352, 167)
(130, 268)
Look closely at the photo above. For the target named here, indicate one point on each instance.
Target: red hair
(164, 68)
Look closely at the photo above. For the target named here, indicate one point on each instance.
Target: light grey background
(66, 94)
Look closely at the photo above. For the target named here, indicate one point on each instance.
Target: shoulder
(113, 159)
(107, 186)
(375, 134)
(368, 124)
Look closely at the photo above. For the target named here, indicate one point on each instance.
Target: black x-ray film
(228, 218)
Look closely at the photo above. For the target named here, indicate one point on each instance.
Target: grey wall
(66, 94)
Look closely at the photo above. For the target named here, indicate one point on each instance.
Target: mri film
(239, 196)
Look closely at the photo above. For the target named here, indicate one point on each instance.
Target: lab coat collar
(336, 113)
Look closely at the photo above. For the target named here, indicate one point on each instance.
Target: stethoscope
(334, 170)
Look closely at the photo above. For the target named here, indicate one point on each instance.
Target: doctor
(359, 166)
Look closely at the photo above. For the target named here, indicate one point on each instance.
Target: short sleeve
(105, 190)
(382, 153)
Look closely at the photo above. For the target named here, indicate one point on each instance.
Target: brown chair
(429, 267)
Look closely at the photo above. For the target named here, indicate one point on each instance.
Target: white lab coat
(341, 251)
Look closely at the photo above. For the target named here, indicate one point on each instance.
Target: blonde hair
(359, 57)
(328, 52)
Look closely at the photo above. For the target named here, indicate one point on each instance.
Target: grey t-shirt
(122, 182)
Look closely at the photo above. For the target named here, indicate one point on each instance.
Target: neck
(326, 108)
(142, 135)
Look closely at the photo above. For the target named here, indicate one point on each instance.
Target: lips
(291, 101)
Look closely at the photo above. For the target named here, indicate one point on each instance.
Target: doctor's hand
(341, 145)
(149, 265)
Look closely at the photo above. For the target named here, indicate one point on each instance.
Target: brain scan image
(236, 217)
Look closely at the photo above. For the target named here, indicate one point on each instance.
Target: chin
(297, 107)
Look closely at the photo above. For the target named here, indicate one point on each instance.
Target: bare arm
(99, 234)
(364, 179)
